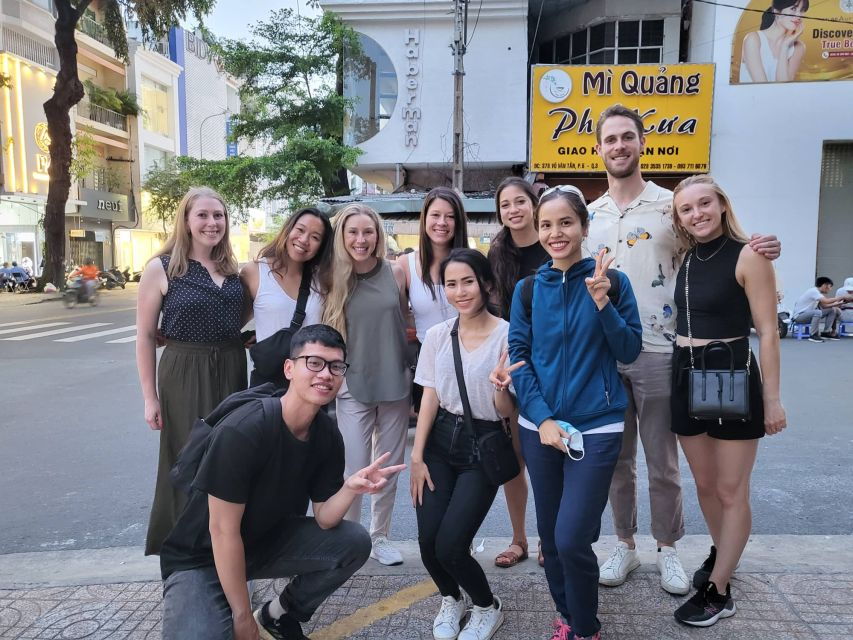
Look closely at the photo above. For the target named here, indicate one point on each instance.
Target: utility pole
(460, 35)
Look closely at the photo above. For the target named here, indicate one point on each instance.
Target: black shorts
(684, 425)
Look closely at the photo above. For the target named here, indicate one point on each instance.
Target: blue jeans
(320, 561)
(570, 498)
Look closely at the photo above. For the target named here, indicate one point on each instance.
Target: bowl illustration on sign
(555, 85)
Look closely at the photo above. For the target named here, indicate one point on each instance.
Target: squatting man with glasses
(246, 516)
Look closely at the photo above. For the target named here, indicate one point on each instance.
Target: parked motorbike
(78, 293)
(119, 276)
(108, 280)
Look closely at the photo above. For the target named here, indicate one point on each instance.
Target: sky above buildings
(232, 18)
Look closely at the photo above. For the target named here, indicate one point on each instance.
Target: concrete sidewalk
(786, 587)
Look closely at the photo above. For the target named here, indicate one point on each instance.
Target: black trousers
(450, 516)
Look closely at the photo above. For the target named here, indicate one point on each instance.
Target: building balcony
(102, 115)
(94, 29)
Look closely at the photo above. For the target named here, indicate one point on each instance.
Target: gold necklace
(701, 259)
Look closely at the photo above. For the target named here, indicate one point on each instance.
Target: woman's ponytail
(767, 18)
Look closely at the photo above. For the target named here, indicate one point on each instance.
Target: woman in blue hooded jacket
(571, 327)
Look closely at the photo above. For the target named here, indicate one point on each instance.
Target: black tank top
(719, 307)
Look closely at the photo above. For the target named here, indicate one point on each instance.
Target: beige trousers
(369, 430)
(647, 381)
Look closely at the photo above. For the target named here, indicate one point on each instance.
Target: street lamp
(201, 128)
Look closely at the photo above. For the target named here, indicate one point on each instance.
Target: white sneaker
(385, 553)
(616, 568)
(672, 576)
(484, 622)
(446, 623)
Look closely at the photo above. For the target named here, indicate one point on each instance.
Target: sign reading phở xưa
(674, 102)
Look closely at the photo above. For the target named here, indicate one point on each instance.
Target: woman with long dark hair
(192, 281)
(443, 226)
(775, 52)
(515, 253)
(272, 281)
(450, 491)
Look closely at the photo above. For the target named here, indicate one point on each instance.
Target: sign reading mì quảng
(674, 102)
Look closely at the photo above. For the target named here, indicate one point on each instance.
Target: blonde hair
(731, 225)
(343, 275)
(179, 243)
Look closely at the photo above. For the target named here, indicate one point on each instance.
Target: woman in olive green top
(367, 304)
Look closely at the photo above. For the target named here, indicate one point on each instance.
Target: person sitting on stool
(814, 305)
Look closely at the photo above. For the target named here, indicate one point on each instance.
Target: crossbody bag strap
(689, 328)
(301, 300)
(460, 379)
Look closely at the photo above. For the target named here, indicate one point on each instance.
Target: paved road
(77, 460)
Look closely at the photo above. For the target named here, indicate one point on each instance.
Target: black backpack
(527, 291)
(183, 471)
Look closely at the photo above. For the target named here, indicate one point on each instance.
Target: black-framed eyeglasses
(317, 364)
(565, 188)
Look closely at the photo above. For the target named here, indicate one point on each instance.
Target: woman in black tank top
(724, 284)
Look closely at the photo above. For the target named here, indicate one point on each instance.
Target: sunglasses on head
(565, 188)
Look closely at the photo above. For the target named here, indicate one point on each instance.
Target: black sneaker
(814, 338)
(703, 573)
(829, 336)
(706, 607)
(285, 628)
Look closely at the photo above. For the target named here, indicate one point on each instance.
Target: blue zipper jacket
(571, 348)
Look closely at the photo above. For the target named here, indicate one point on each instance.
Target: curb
(764, 554)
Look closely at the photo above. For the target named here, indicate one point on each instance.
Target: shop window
(370, 83)
(155, 102)
(622, 42)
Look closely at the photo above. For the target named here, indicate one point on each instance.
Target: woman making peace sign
(570, 328)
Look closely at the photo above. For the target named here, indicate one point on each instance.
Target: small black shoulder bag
(494, 446)
(715, 394)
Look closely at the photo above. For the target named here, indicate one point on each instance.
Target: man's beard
(623, 173)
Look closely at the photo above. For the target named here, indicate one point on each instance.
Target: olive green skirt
(192, 378)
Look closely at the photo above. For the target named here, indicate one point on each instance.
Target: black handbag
(494, 447)
(715, 394)
(269, 354)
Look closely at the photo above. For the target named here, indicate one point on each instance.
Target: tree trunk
(67, 92)
(338, 185)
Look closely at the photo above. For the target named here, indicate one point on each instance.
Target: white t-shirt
(808, 301)
(274, 308)
(436, 370)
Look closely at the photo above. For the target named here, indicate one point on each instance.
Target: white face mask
(574, 443)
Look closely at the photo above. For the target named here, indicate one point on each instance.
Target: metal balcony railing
(102, 115)
(94, 30)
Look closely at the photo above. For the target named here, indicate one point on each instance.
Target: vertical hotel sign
(674, 102)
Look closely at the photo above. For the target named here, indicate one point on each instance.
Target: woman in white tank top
(774, 53)
(272, 280)
(443, 226)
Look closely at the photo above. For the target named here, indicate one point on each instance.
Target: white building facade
(782, 150)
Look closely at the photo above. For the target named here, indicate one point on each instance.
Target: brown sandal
(510, 558)
(541, 558)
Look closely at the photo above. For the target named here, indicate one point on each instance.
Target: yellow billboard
(793, 41)
(673, 100)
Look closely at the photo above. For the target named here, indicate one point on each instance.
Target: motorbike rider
(89, 272)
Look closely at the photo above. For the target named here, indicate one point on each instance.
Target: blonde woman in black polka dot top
(193, 283)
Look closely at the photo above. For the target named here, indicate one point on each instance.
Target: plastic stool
(800, 330)
(845, 329)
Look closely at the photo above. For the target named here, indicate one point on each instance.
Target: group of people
(577, 336)
(816, 306)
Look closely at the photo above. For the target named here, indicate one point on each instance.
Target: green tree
(155, 19)
(292, 91)
(235, 179)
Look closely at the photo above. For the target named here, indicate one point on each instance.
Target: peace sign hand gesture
(501, 375)
(371, 479)
(599, 284)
